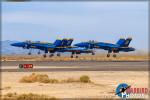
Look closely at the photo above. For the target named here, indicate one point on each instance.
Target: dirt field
(103, 86)
(103, 73)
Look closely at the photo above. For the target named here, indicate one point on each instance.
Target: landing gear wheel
(71, 56)
(76, 56)
(58, 54)
(93, 53)
(51, 55)
(44, 55)
(108, 55)
(29, 53)
(39, 53)
(114, 55)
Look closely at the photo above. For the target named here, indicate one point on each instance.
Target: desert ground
(103, 86)
(103, 74)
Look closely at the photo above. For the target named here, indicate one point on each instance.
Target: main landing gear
(71, 56)
(39, 52)
(114, 55)
(93, 53)
(108, 55)
(51, 55)
(29, 53)
(44, 55)
(58, 55)
(75, 56)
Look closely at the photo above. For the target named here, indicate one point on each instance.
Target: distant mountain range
(7, 49)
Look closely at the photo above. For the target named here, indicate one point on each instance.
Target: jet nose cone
(13, 44)
(16, 44)
(133, 49)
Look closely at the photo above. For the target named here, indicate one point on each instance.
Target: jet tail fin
(127, 42)
(58, 43)
(121, 42)
(124, 42)
(64, 42)
(67, 42)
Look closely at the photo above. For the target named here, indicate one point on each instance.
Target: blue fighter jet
(121, 46)
(59, 46)
(46, 47)
(77, 51)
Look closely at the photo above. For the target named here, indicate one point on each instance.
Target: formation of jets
(64, 45)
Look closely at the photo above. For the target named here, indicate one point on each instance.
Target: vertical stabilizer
(64, 42)
(69, 42)
(58, 43)
(121, 42)
(128, 40)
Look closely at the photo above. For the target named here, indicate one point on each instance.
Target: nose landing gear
(39, 53)
(29, 53)
(58, 55)
(93, 53)
(44, 55)
(51, 55)
(108, 55)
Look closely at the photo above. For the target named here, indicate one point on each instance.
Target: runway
(46, 66)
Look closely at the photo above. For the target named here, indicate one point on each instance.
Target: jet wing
(44, 46)
(64, 47)
(75, 49)
(106, 46)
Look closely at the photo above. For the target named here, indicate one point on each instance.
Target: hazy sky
(101, 21)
